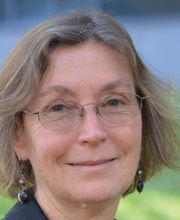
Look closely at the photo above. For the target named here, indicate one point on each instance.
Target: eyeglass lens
(65, 116)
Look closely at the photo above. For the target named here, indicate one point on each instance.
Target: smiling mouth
(91, 165)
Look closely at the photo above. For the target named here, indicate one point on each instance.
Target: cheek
(45, 145)
(47, 152)
(52, 146)
(127, 138)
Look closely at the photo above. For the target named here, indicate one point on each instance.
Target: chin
(100, 193)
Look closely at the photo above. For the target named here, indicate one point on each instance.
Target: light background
(153, 25)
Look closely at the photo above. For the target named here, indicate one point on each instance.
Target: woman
(83, 121)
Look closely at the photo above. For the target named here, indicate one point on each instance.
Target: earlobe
(19, 146)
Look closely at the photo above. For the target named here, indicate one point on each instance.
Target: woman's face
(98, 160)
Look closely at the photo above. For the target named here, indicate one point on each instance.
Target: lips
(92, 163)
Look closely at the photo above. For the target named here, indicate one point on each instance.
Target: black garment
(27, 211)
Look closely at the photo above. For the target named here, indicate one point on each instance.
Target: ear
(18, 140)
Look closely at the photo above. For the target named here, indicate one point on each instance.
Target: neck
(67, 210)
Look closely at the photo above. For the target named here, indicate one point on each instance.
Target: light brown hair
(23, 70)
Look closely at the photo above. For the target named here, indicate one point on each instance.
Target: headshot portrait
(84, 123)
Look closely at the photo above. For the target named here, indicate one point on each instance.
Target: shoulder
(30, 210)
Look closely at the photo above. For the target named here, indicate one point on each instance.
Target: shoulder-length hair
(23, 70)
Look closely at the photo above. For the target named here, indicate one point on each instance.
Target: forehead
(89, 65)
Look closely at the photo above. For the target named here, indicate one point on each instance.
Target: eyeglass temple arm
(144, 97)
(29, 112)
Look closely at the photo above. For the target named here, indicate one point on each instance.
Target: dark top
(26, 211)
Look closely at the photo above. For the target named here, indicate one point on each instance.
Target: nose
(91, 130)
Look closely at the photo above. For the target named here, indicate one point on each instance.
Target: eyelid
(58, 102)
(114, 95)
(100, 101)
(48, 100)
(55, 104)
(42, 108)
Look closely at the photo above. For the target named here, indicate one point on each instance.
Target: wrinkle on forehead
(75, 51)
(66, 56)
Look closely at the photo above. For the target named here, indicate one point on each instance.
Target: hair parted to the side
(23, 70)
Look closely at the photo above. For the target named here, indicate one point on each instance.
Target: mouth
(92, 165)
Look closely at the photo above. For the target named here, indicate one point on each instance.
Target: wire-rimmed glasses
(65, 116)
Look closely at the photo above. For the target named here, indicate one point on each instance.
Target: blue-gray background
(154, 26)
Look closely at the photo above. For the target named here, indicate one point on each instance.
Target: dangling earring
(22, 195)
(140, 183)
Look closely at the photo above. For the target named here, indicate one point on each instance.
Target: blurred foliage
(160, 200)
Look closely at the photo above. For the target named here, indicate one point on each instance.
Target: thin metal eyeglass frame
(81, 112)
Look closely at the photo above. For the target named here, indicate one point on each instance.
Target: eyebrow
(59, 89)
(66, 90)
(114, 84)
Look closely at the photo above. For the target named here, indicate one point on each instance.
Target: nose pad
(82, 111)
(97, 111)
(91, 130)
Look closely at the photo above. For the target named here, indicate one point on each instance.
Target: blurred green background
(160, 200)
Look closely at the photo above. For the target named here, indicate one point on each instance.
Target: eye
(114, 102)
(61, 108)
(57, 108)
